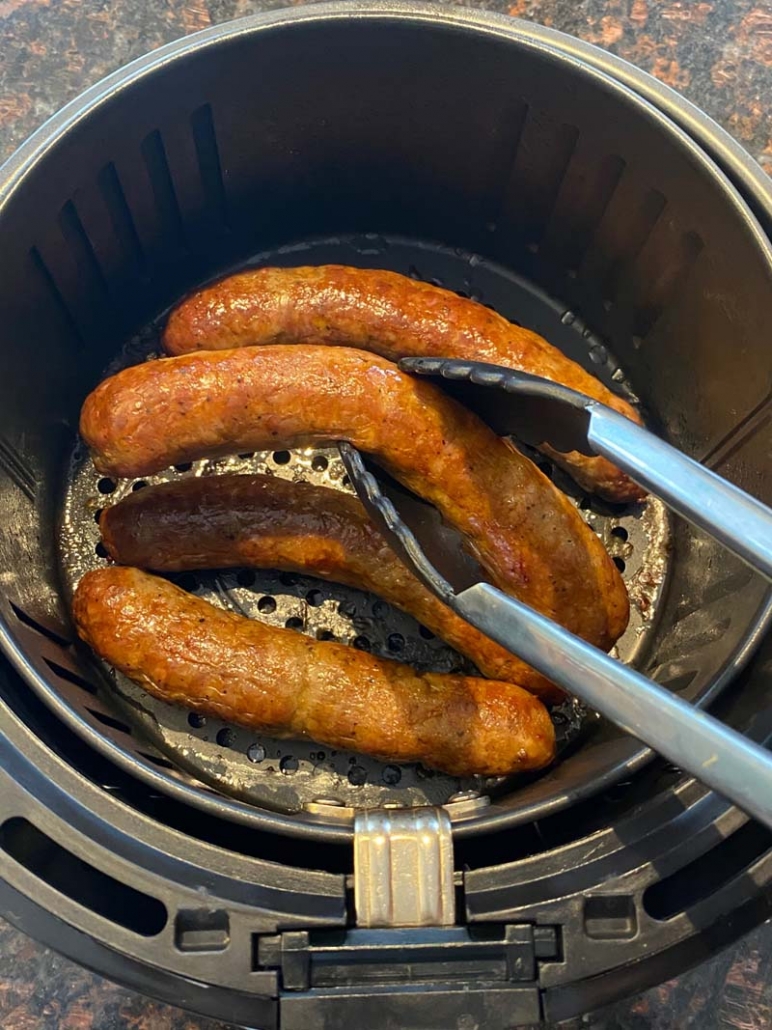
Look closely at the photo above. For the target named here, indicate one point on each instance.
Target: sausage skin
(181, 649)
(218, 522)
(524, 532)
(394, 316)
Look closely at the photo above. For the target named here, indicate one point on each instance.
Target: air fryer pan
(286, 775)
(194, 160)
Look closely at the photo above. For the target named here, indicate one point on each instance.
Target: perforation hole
(281, 457)
(361, 643)
(101, 550)
(256, 752)
(108, 720)
(266, 605)
(315, 598)
(620, 533)
(184, 466)
(426, 633)
(196, 721)
(106, 486)
(620, 563)
(139, 485)
(289, 765)
(319, 463)
(225, 737)
(293, 622)
(396, 643)
(98, 515)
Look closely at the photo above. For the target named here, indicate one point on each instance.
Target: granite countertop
(719, 54)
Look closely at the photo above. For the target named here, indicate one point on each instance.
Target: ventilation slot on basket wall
(121, 219)
(708, 874)
(90, 271)
(81, 882)
(210, 169)
(52, 289)
(162, 185)
(627, 229)
(541, 165)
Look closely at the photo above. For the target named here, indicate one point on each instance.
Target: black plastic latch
(333, 978)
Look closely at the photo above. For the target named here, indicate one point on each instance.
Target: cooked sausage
(181, 649)
(528, 536)
(218, 522)
(393, 316)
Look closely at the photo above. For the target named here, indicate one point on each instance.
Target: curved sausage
(181, 649)
(526, 533)
(219, 522)
(395, 317)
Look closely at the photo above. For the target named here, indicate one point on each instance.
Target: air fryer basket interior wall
(265, 135)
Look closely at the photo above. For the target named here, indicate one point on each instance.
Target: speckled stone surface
(719, 53)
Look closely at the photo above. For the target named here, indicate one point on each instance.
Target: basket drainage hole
(281, 457)
(266, 605)
(106, 486)
(101, 550)
(196, 721)
(184, 466)
(294, 622)
(98, 515)
(319, 463)
(391, 775)
(620, 533)
(255, 752)
(396, 643)
(315, 598)
(225, 737)
(139, 485)
(620, 563)
(289, 765)
(357, 776)
(245, 578)
(425, 633)
(361, 643)
(325, 634)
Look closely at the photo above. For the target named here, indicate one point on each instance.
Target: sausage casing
(523, 531)
(181, 649)
(265, 522)
(394, 316)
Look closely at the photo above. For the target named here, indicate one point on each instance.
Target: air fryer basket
(500, 168)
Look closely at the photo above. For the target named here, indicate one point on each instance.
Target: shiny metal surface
(403, 868)
(688, 737)
(691, 739)
(547, 412)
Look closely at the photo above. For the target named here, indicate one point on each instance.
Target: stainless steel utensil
(540, 411)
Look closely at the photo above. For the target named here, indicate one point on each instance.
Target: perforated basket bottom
(286, 775)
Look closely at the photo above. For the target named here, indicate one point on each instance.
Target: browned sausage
(218, 522)
(527, 534)
(393, 316)
(181, 649)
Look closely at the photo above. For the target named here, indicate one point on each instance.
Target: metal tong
(539, 411)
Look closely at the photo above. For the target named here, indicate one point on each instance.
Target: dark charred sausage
(393, 316)
(528, 536)
(181, 649)
(218, 522)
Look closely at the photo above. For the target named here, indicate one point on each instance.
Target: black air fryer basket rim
(585, 61)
